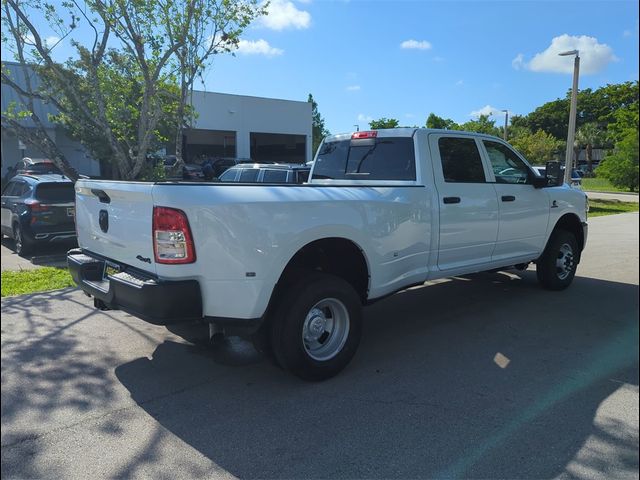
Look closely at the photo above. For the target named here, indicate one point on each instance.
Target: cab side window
(461, 162)
(506, 165)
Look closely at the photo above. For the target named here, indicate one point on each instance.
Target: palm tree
(589, 136)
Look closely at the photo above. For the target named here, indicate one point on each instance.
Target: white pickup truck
(293, 264)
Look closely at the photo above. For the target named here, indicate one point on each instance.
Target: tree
(481, 125)
(552, 117)
(160, 41)
(594, 106)
(625, 118)
(383, 123)
(589, 136)
(621, 167)
(539, 147)
(319, 131)
(434, 121)
(210, 27)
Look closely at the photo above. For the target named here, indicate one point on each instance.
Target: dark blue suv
(38, 209)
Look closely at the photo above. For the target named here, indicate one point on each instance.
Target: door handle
(508, 198)
(451, 199)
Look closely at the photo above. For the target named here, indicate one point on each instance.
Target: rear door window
(55, 192)
(11, 189)
(249, 174)
(385, 158)
(228, 176)
(461, 161)
(274, 176)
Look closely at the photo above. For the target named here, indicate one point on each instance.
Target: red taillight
(369, 134)
(172, 240)
(36, 206)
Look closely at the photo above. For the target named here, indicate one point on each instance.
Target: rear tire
(317, 326)
(559, 261)
(22, 245)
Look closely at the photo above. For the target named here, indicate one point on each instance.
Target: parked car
(190, 171)
(576, 175)
(214, 167)
(267, 173)
(38, 209)
(293, 265)
(36, 166)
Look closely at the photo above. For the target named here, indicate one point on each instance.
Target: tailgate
(114, 219)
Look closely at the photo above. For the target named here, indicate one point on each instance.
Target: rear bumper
(138, 293)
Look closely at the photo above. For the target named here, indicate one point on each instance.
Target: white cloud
(626, 33)
(594, 56)
(460, 83)
(518, 62)
(488, 110)
(415, 44)
(364, 118)
(353, 88)
(258, 47)
(51, 41)
(283, 14)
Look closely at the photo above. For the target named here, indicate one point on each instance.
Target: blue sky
(366, 59)
(466, 56)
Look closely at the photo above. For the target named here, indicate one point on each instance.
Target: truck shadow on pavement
(482, 376)
(47, 255)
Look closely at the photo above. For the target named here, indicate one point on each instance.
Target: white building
(263, 129)
(13, 149)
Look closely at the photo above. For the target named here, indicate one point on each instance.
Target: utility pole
(506, 121)
(571, 134)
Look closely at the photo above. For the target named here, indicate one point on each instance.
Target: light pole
(357, 128)
(571, 134)
(506, 119)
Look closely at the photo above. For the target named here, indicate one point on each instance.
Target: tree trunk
(576, 154)
(589, 158)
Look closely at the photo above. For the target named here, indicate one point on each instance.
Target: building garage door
(201, 144)
(278, 147)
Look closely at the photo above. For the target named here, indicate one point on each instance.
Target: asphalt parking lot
(54, 255)
(486, 376)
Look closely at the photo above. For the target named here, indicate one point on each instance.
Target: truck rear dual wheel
(317, 326)
(557, 265)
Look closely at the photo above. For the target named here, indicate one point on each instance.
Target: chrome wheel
(325, 329)
(564, 261)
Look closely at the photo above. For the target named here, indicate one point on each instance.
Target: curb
(631, 194)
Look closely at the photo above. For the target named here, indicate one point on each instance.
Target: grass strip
(42, 279)
(598, 207)
(600, 185)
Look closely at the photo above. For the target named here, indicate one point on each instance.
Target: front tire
(317, 326)
(559, 261)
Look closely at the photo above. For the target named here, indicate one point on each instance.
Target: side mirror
(553, 174)
(540, 182)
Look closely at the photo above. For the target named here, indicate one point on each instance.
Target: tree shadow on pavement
(53, 374)
(485, 376)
